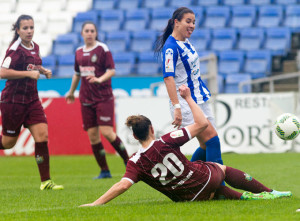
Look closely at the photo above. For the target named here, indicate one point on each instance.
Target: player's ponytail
(177, 14)
(140, 126)
(16, 26)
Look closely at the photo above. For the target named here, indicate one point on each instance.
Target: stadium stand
(111, 20)
(82, 17)
(201, 39)
(217, 17)
(259, 2)
(118, 41)
(104, 4)
(243, 16)
(65, 66)
(155, 3)
(232, 83)
(278, 40)
(136, 19)
(251, 38)
(180, 3)
(65, 44)
(7, 6)
(49, 62)
(124, 63)
(223, 39)
(27, 6)
(258, 63)
(292, 19)
(160, 17)
(55, 6)
(59, 23)
(231, 62)
(147, 64)
(234, 2)
(75, 6)
(206, 2)
(129, 4)
(270, 16)
(143, 40)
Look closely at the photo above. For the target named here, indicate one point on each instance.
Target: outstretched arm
(10, 74)
(116, 190)
(70, 95)
(200, 121)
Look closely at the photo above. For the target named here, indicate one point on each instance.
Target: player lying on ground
(161, 165)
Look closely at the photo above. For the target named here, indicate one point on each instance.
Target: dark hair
(140, 126)
(16, 26)
(92, 23)
(177, 14)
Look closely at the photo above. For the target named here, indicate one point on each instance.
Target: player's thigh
(105, 112)
(35, 114)
(207, 134)
(89, 116)
(8, 141)
(39, 132)
(13, 116)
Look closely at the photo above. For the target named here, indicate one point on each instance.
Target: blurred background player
(20, 104)
(181, 65)
(161, 165)
(94, 65)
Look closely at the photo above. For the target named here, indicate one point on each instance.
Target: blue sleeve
(169, 57)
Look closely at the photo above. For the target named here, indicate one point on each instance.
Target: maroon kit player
(20, 104)
(161, 165)
(94, 65)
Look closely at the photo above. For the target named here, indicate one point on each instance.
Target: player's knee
(9, 144)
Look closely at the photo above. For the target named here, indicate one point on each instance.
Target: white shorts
(187, 116)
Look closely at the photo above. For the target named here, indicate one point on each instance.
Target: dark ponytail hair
(92, 23)
(140, 126)
(16, 26)
(177, 14)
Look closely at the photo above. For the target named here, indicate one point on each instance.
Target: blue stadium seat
(136, 19)
(292, 19)
(65, 66)
(118, 41)
(124, 63)
(199, 15)
(160, 17)
(251, 38)
(65, 44)
(270, 16)
(259, 2)
(234, 2)
(206, 2)
(200, 39)
(233, 80)
(223, 39)
(104, 4)
(143, 40)
(258, 63)
(286, 2)
(180, 3)
(147, 64)
(204, 64)
(129, 4)
(278, 40)
(49, 62)
(231, 62)
(217, 16)
(243, 16)
(111, 20)
(155, 3)
(82, 17)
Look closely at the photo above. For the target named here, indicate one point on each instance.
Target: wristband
(176, 106)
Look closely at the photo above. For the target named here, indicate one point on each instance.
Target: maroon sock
(99, 154)
(120, 148)
(1, 146)
(42, 159)
(240, 180)
(224, 192)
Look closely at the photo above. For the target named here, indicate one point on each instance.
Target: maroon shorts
(98, 114)
(216, 178)
(15, 115)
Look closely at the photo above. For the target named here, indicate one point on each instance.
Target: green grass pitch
(21, 199)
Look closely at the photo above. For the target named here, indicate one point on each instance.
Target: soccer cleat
(104, 174)
(279, 194)
(50, 185)
(257, 196)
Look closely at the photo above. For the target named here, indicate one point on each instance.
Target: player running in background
(94, 65)
(181, 65)
(20, 104)
(161, 165)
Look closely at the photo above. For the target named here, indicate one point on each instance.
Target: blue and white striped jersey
(181, 61)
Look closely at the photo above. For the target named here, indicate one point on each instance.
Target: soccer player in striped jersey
(181, 65)
(161, 165)
(20, 104)
(94, 65)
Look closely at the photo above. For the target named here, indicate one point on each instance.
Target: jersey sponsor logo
(33, 52)
(86, 54)
(87, 70)
(169, 65)
(31, 67)
(106, 119)
(94, 58)
(176, 134)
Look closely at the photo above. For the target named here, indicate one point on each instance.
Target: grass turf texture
(21, 198)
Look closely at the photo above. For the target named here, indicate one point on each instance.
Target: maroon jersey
(94, 62)
(163, 167)
(20, 58)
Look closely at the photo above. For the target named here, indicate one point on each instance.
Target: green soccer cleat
(279, 194)
(50, 185)
(257, 196)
